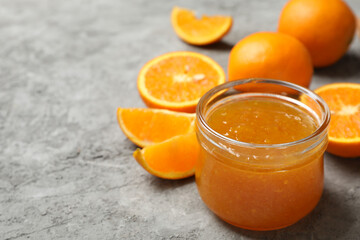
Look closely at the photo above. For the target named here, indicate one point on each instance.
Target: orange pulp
(254, 187)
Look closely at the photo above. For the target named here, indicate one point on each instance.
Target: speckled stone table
(66, 169)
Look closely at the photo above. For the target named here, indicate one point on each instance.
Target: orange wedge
(146, 126)
(172, 159)
(177, 80)
(343, 100)
(203, 31)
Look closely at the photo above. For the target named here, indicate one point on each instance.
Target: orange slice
(343, 100)
(172, 159)
(146, 126)
(177, 80)
(203, 31)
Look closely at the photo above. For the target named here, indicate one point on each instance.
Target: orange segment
(203, 31)
(177, 80)
(171, 159)
(344, 132)
(145, 126)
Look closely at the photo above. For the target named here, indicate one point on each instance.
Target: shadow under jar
(262, 145)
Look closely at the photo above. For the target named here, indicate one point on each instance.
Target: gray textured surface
(66, 169)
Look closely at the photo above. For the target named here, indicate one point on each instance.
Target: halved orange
(343, 100)
(203, 31)
(177, 80)
(172, 159)
(146, 126)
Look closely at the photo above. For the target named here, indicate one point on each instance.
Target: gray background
(66, 169)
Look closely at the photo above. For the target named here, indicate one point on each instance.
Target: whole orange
(271, 55)
(325, 27)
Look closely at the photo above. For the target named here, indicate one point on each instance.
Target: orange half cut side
(343, 100)
(177, 80)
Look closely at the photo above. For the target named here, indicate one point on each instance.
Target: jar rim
(228, 85)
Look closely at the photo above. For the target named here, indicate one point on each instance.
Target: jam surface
(262, 121)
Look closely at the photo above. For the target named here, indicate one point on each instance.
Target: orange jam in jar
(262, 145)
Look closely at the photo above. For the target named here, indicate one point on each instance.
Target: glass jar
(261, 186)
